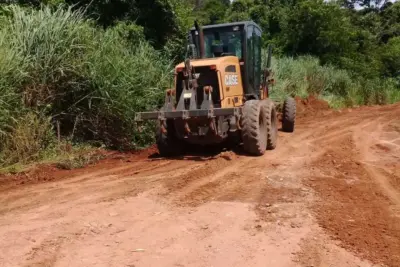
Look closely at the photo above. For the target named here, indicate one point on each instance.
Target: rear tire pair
(259, 126)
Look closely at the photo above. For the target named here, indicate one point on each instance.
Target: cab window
(230, 41)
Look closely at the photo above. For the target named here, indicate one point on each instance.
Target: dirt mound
(310, 105)
(39, 173)
(143, 153)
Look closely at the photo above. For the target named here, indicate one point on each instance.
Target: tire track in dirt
(198, 176)
(110, 183)
(228, 178)
(365, 137)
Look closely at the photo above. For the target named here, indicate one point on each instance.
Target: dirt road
(329, 195)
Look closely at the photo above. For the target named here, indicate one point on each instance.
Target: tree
(318, 28)
(390, 22)
(159, 18)
(390, 53)
(239, 10)
(212, 11)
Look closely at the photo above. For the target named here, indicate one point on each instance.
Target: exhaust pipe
(201, 39)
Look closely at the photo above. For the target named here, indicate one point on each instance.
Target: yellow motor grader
(221, 91)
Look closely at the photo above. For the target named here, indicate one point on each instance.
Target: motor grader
(221, 93)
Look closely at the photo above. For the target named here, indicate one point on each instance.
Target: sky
(358, 7)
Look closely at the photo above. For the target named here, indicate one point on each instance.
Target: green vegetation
(75, 72)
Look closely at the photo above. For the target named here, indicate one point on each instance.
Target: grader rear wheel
(289, 115)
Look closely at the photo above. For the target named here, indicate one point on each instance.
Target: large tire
(254, 125)
(289, 115)
(167, 143)
(271, 120)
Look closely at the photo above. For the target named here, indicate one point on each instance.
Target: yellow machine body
(229, 78)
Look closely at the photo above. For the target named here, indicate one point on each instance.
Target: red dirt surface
(328, 195)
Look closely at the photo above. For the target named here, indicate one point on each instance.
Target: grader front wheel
(254, 125)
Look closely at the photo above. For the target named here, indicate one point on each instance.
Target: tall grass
(305, 76)
(88, 80)
(10, 101)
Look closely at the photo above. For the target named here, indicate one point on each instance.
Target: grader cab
(220, 91)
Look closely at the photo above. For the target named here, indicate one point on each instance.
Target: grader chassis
(220, 93)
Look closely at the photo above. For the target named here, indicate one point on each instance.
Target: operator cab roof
(240, 23)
